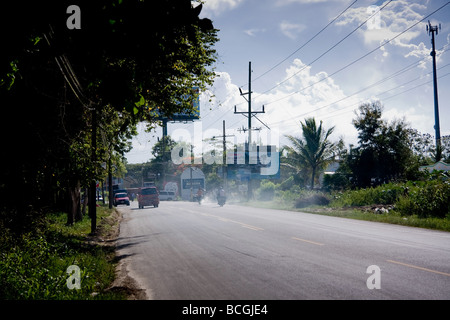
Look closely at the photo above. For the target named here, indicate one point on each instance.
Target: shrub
(385, 194)
(34, 266)
(429, 200)
(266, 191)
(286, 184)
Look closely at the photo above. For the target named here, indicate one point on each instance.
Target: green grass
(424, 204)
(34, 266)
(391, 217)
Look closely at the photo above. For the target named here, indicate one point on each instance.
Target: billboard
(188, 115)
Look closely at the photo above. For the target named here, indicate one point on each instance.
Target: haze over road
(183, 250)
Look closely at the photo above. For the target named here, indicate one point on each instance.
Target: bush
(34, 265)
(286, 184)
(429, 200)
(385, 194)
(266, 191)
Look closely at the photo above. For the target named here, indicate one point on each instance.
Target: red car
(121, 198)
(148, 197)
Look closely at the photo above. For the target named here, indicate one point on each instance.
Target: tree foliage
(62, 90)
(312, 151)
(383, 153)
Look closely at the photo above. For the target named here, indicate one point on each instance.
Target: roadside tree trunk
(74, 212)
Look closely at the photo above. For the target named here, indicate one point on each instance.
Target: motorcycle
(198, 198)
(221, 200)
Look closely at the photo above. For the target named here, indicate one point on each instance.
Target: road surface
(183, 250)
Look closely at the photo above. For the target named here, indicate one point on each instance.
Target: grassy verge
(359, 213)
(34, 265)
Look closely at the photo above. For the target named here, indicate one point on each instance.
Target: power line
(375, 84)
(307, 42)
(382, 93)
(353, 62)
(390, 97)
(360, 58)
(327, 51)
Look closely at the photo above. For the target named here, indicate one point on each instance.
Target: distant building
(191, 180)
(439, 166)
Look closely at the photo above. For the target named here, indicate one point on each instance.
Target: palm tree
(313, 150)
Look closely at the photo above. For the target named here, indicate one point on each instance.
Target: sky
(321, 59)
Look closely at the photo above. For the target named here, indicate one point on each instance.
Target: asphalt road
(184, 250)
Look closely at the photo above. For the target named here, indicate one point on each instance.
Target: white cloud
(252, 32)
(388, 23)
(216, 7)
(284, 2)
(291, 30)
(305, 95)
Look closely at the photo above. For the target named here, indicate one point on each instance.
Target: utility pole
(249, 114)
(224, 158)
(249, 103)
(434, 29)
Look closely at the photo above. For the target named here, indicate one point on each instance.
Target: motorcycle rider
(221, 197)
(199, 194)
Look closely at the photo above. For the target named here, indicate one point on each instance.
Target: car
(121, 198)
(148, 196)
(166, 195)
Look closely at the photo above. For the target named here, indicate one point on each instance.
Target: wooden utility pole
(249, 114)
(224, 157)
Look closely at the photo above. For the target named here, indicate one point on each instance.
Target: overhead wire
(327, 51)
(306, 43)
(360, 58)
(339, 70)
(312, 38)
(390, 97)
(332, 113)
(379, 82)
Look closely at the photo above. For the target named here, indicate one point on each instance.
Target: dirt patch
(127, 285)
(108, 231)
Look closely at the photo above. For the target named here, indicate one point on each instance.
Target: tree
(313, 150)
(75, 95)
(160, 164)
(384, 152)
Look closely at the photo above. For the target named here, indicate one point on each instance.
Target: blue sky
(327, 78)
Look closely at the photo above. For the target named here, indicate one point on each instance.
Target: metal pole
(432, 30)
